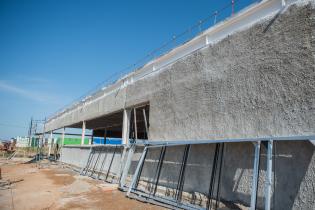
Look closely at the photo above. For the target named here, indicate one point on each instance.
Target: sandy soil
(59, 188)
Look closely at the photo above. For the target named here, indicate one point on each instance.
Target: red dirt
(60, 188)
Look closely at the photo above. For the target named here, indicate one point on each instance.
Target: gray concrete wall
(257, 82)
(78, 155)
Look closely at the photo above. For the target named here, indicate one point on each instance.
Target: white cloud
(34, 95)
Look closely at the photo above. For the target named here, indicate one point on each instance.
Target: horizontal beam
(94, 146)
(66, 134)
(212, 141)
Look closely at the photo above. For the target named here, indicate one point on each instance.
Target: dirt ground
(54, 187)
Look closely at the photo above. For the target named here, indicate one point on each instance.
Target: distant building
(22, 141)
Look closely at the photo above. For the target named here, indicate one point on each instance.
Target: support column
(61, 146)
(51, 143)
(124, 166)
(126, 126)
(63, 136)
(83, 132)
(268, 176)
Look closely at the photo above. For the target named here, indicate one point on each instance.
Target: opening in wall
(139, 122)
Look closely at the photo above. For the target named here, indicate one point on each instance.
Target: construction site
(225, 120)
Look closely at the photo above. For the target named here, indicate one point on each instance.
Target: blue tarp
(100, 140)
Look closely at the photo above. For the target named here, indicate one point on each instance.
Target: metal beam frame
(211, 141)
(256, 141)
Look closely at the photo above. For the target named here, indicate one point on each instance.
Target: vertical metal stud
(134, 178)
(127, 165)
(269, 176)
(158, 169)
(255, 176)
(111, 163)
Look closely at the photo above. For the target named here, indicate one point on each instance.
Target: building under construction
(225, 119)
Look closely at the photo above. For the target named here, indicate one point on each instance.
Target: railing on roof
(216, 16)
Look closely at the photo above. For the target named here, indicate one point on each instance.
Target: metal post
(121, 163)
(135, 176)
(135, 122)
(269, 176)
(145, 122)
(103, 163)
(158, 170)
(87, 162)
(127, 165)
(96, 162)
(180, 183)
(83, 132)
(111, 163)
(105, 135)
(255, 176)
(92, 137)
(30, 133)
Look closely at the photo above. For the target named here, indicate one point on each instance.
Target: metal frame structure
(90, 168)
(217, 164)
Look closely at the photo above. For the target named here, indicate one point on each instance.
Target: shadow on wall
(292, 163)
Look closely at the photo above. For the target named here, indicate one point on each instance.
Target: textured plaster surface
(257, 82)
(254, 83)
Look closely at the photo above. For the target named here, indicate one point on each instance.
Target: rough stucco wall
(257, 82)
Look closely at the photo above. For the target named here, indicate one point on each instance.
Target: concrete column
(83, 132)
(51, 143)
(63, 136)
(62, 143)
(126, 126)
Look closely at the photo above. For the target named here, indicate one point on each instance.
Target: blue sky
(53, 51)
